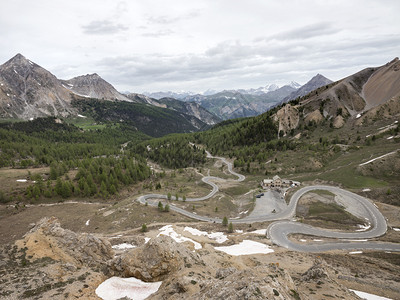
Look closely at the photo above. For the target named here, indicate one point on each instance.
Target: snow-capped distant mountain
(259, 91)
(210, 92)
(169, 94)
(294, 85)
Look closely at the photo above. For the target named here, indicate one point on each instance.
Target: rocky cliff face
(287, 118)
(29, 91)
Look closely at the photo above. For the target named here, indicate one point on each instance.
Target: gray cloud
(306, 32)
(202, 44)
(158, 33)
(233, 64)
(165, 19)
(103, 27)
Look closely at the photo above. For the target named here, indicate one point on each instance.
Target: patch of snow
(81, 116)
(260, 231)
(377, 158)
(303, 240)
(316, 240)
(390, 137)
(246, 247)
(2, 84)
(22, 180)
(355, 252)
(116, 287)
(368, 296)
(363, 227)
(8, 95)
(358, 116)
(219, 237)
(244, 212)
(30, 62)
(16, 72)
(395, 122)
(169, 231)
(396, 229)
(30, 119)
(87, 222)
(239, 231)
(123, 246)
(146, 240)
(39, 83)
(366, 190)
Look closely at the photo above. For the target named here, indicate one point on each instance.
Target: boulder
(155, 260)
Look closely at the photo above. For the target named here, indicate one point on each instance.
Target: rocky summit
(28, 91)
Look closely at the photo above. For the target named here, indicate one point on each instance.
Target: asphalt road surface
(279, 231)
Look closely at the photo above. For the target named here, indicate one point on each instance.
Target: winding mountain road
(279, 231)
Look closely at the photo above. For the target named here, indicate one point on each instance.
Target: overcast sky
(153, 45)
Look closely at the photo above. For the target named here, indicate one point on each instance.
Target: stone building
(277, 182)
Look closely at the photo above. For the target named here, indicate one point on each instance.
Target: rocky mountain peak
(18, 63)
(316, 82)
(93, 86)
(294, 84)
(29, 91)
(18, 59)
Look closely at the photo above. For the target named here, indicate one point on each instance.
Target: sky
(176, 45)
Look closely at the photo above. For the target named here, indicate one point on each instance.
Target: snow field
(246, 247)
(219, 237)
(367, 296)
(123, 246)
(116, 287)
(169, 231)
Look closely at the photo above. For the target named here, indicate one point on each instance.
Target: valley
(158, 189)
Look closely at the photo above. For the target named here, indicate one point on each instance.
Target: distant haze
(174, 45)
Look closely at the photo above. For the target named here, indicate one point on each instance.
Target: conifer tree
(230, 227)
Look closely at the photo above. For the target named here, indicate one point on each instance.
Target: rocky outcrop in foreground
(49, 239)
(51, 262)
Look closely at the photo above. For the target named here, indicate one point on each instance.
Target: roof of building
(276, 177)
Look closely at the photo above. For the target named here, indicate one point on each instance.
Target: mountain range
(230, 104)
(28, 91)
